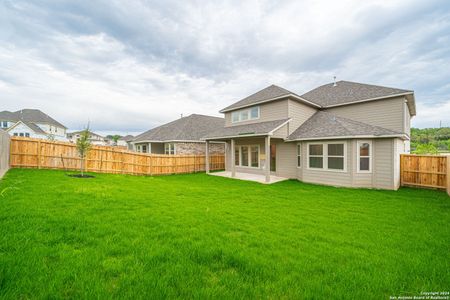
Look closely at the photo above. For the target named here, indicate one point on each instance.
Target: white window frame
(325, 156)
(249, 113)
(4, 124)
(359, 142)
(299, 155)
(170, 146)
(249, 156)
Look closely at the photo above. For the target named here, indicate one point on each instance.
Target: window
(144, 148)
(16, 134)
(244, 156)
(169, 148)
(364, 156)
(336, 156)
(245, 114)
(254, 156)
(5, 124)
(21, 134)
(299, 155)
(330, 156)
(316, 156)
(247, 156)
(27, 134)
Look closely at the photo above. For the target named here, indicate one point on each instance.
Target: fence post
(39, 154)
(448, 174)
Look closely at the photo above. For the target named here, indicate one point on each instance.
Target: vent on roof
(334, 81)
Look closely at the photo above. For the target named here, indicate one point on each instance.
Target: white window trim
(249, 114)
(174, 149)
(249, 156)
(325, 156)
(299, 146)
(359, 142)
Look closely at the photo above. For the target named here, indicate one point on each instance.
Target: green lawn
(199, 236)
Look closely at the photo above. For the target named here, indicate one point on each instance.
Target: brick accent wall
(199, 148)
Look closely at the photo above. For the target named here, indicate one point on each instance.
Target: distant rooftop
(29, 115)
(190, 128)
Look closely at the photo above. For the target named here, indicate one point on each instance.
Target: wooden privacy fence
(35, 153)
(431, 171)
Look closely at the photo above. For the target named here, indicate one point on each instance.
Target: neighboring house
(182, 136)
(125, 141)
(341, 134)
(32, 123)
(94, 139)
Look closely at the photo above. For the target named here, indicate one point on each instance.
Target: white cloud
(130, 68)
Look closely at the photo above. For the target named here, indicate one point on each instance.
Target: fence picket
(103, 159)
(431, 171)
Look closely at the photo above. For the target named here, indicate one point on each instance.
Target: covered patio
(250, 177)
(249, 153)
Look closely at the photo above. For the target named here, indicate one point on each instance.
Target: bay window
(364, 156)
(251, 113)
(169, 148)
(316, 156)
(336, 156)
(329, 156)
(246, 156)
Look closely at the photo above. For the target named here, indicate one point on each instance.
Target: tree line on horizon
(430, 140)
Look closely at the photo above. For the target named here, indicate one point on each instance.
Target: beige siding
(384, 164)
(299, 113)
(326, 177)
(286, 159)
(275, 110)
(281, 133)
(361, 179)
(387, 113)
(407, 118)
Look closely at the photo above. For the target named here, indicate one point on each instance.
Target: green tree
(425, 149)
(83, 147)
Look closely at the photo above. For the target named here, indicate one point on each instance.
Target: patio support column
(207, 157)
(267, 154)
(233, 159)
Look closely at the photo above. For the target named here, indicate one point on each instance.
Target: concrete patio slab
(250, 177)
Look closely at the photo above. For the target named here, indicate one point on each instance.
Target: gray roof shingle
(347, 92)
(267, 93)
(190, 128)
(30, 116)
(261, 128)
(34, 127)
(127, 138)
(327, 125)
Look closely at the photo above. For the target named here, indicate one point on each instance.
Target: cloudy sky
(127, 66)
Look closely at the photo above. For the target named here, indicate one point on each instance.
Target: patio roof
(248, 130)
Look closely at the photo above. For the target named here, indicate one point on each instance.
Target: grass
(198, 236)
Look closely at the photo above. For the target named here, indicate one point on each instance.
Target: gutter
(403, 136)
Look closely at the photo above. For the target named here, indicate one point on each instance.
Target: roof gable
(190, 128)
(33, 127)
(269, 93)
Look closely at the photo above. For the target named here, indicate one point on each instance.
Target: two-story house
(341, 134)
(94, 138)
(32, 123)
